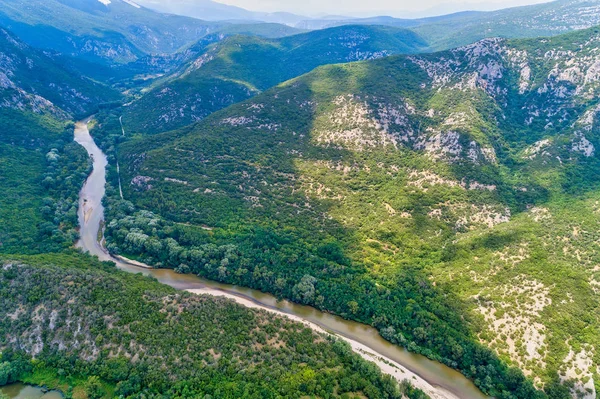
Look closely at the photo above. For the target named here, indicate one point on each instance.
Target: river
(436, 379)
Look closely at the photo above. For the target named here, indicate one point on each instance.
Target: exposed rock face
(233, 70)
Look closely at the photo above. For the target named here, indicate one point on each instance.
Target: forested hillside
(118, 31)
(70, 322)
(41, 169)
(240, 67)
(551, 18)
(447, 199)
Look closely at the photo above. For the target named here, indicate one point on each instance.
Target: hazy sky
(389, 7)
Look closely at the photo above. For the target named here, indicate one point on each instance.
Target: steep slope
(448, 199)
(110, 31)
(40, 169)
(241, 67)
(31, 80)
(70, 321)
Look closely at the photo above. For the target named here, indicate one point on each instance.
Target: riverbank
(436, 379)
(386, 365)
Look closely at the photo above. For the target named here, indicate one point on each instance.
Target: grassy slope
(389, 235)
(241, 67)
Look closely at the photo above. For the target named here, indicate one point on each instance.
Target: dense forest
(42, 172)
(72, 322)
(447, 199)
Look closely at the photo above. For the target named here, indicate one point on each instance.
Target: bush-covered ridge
(81, 320)
(426, 195)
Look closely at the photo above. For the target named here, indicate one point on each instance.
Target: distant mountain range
(452, 30)
(441, 32)
(112, 31)
(213, 11)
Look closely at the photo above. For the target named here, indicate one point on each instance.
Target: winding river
(436, 379)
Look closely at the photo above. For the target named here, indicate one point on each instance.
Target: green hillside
(448, 199)
(77, 324)
(242, 66)
(70, 322)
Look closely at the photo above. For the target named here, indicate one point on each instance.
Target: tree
(304, 291)
(6, 373)
(93, 388)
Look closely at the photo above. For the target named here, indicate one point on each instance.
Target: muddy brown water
(91, 215)
(22, 391)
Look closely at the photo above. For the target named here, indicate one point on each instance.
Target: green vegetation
(41, 169)
(240, 67)
(538, 20)
(428, 196)
(112, 334)
(444, 32)
(42, 172)
(105, 36)
(33, 80)
(70, 322)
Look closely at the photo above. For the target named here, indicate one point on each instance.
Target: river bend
(436, 379)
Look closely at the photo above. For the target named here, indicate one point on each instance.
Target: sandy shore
(386, 365)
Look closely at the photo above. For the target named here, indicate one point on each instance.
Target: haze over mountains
(436, 179)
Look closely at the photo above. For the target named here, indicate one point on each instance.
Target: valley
(433, 378)
(299, 207)
(354, 174)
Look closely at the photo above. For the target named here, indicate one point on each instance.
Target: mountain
(530, 21)
(31, 81)
(71, 322)
(240, 67)
(77, 324)
(332, 22)
(117, 31)
(214, 11)
(448, 199)
(41, 170)
(457, 29)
